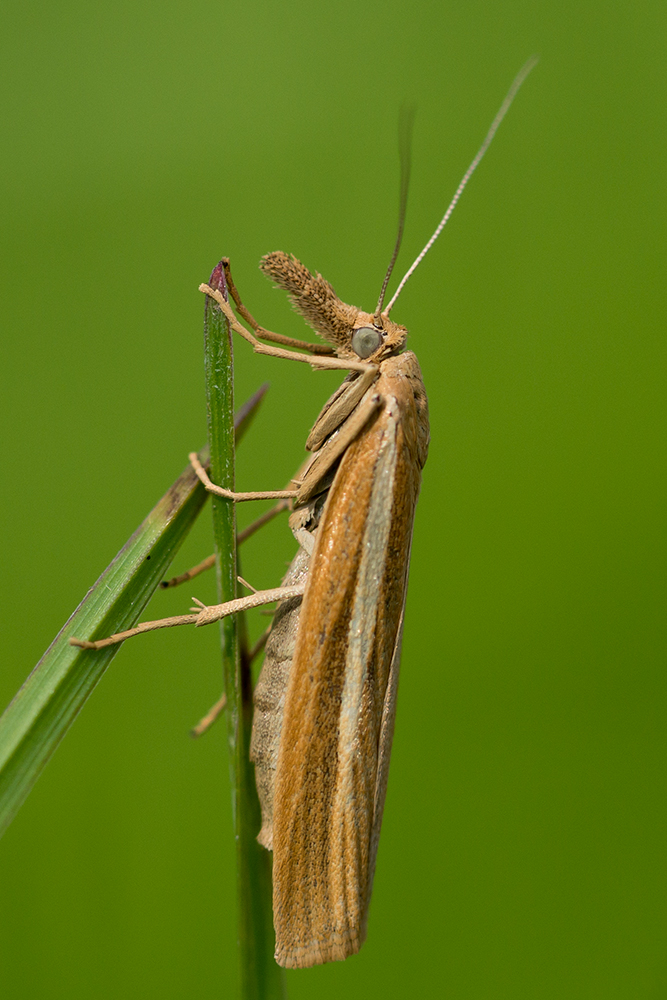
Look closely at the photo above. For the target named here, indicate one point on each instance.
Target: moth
(325, 701)
(326, 697)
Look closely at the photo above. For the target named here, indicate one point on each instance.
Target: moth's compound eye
(366, 341)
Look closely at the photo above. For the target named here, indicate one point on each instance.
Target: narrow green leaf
(260, 977)
(36, 720)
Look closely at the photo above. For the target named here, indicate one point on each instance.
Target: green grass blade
(260, 977)
(44, 708)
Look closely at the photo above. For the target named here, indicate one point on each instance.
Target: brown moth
(322, 767)
(326, 698)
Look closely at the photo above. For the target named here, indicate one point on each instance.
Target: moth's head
(375, 337)
(352, 333)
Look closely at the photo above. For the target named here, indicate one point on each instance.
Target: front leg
(324, 362)
(261, 331)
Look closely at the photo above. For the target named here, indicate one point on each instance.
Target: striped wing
(336, 736)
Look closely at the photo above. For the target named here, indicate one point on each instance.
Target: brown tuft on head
(313, 298)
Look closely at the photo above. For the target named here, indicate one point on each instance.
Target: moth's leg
(259, 645)
(262, 332)
(324, 362)
(214, 711)
(327, 456)
(211, 716)
(241, 537)
(220, 491)
(250, 653)
(339, 408)
(214, 612)
(305, 539)
(204, 615)
(189, 574)
(247, 655)
(261, 521)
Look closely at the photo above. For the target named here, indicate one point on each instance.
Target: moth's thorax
(402, 366)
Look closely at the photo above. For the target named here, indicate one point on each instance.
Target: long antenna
(504, 107)
(406, 122)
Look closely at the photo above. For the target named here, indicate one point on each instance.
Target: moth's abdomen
(269, 695)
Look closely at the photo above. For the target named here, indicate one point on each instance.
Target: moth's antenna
(406, 123)
(504, 107)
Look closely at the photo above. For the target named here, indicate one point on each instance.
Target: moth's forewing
(271, 687)
(384, 756)
(329, 789)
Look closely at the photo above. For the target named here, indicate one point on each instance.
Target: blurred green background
(523, 851)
